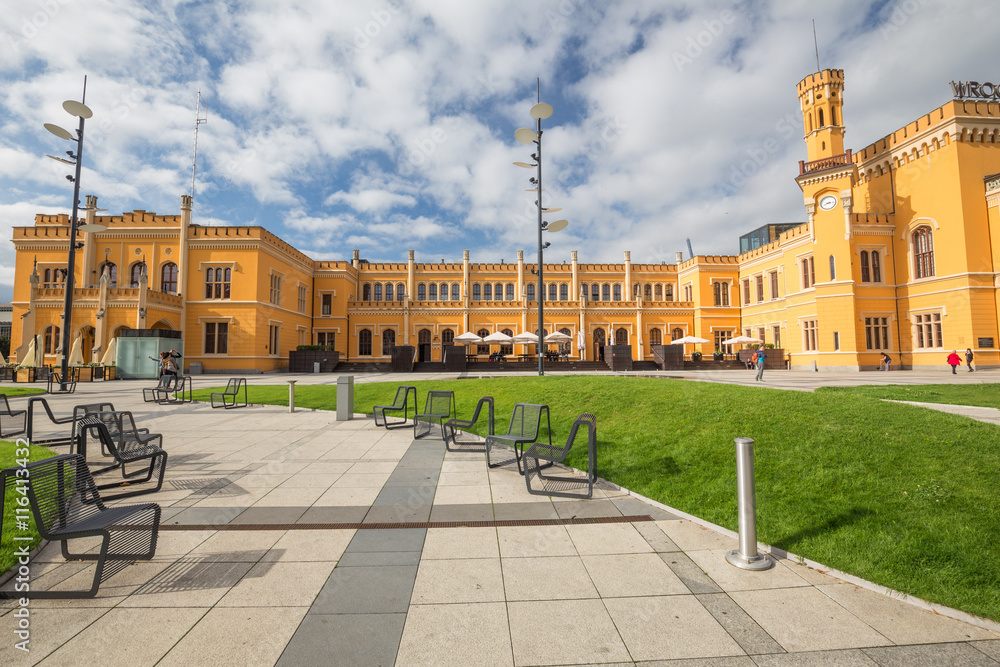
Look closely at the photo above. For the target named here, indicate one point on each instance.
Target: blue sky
(386, 126)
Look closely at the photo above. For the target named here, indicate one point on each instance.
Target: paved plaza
(295, 539)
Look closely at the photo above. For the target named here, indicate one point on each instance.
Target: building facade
(900, 253)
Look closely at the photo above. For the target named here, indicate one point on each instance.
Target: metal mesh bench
(452, 427)
(170, 389)
(131, 451)
(540, 456)
(439, 406)
(152, 394)
(66, 505)
(12, 422)
(48, 439)
(400, 404)
(525, 425)
(55, 384)
(231, 396)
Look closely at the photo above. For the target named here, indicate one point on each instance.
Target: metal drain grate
(416, 524)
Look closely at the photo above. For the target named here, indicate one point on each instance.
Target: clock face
(828, 202)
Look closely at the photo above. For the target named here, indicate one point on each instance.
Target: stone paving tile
(741, 661)
(732, 578)
(407, 539)
(750, 636)
(803, 619)
(112, 592)
(669, 627)
(278, 584)
(188, 583)
(237, 545)
(341, 497)
(689, 536)
(119, 629)
(309, 480)
(465, 478)
(333, 514)
(200, 516)
(516, 542)
(522, 511)
(403, 495)
(456, 634)
(556, 632)
(240, 637)
(627, 575)
(413, 477)
(359, 559)
(586, 509)
(842, 658)
(50, 629)
(353, 639)
(693, 577)
(310, 546)
(549, 578)
(990, 648)
(475, 512)
(462, 495)
(902, 623)
(271, 515)
(448, 543)
(930, 654)
(360, 480)
(655, 537)
(458, 580)
(630, 506)
(611, 538)
(398, 514)
(291, 497)
(366, 590)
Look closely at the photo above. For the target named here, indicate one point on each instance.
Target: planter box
(83, 373)
(109, 373)
(25, 375)
(7, 373)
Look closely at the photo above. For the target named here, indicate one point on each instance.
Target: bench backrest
(92, 425)
(4, 405)
(526, 420)
(400, 399)
(585, 426)
(61, 492)
(439, 403)
(233, 385)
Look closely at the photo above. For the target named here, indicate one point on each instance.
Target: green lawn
(896, 494)
(7, 460)
(983, 394)
(12, 391)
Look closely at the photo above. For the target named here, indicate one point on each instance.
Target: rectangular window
(303, 296)
(217, 282)
(216, 338)
(722, 336)
(670, 292)
(928, 330)
(877, 333)
(774, 285)
(809, 335)
(273, 339)
(776, 335)
(746, 292)
(275, 289)
(687, 293)
(836, 340)
(808, 273)
(325, 338)
(327, 304)
(760, 334)
(760, 288)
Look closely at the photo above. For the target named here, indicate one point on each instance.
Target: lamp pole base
(758, 562)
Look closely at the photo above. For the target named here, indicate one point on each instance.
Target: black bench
(232, 391)
(452, 426)
(48, 440)
(170, 389)
(122, 453)
(439, 406)
(540, 456)
(56, 386)
(12, 422)
(400, 404)
(525, 425)
(66, 505)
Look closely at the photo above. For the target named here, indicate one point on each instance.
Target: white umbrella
(581, 340)
(109, 356)
(558, 337)
(468, 338)
(526, 338)
(739, 340)
(498, 337)
(689, 340)
(29, 356)
(76, 353)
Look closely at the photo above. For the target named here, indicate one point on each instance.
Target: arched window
(506, 349)
(487, 292)
(484, 348)
(618, 294)
(833, 115)
(605, 292)
(455, 292)
(530, 291)
(444, 291)
(51, 339)
(388, 342)
(365, 343)
(658, 292)
(636, 290)
(655, 338)
(432, 292)
(388, 291)
(865, 273)
(217, 282)
(498, 291)
(447, 337)
(923, 252)
(168, 278)
(676, 333)
(378, 292)
(400, 291)
(583, 291)
(621, 336)
(421, 292)
(366, 292)
(876, 268)
(717, 293)
(565, 348)
(821, 118)
(552, 291)
(647, 292)
(833, 269)
(510, 291)
(112, 272)
(725, 294)
(564, 292)
(134, 273)
(595, 292)
(669, 292)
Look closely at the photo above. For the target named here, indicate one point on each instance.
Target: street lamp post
(80, 110)
(539, 111)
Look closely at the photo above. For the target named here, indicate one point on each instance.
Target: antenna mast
(198, 120)
(816, 44)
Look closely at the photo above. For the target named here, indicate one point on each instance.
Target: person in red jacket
(954, 361)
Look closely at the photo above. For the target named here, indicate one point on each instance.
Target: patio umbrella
(689, 339)
(109, 356)
(526, 338)
(581, 340)
(498, 337)
(558, 337)
(740, 340)
(29, 356)
(468, 338)
(76, 352)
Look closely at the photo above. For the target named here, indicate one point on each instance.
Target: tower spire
(198, 120)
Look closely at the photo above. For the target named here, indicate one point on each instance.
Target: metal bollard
(291, 395)
(746, 557)
(345, 398)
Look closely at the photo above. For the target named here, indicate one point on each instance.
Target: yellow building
(900, 254)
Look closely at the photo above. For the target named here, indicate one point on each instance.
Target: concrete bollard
(291, 395)
(345, 398)
(746, 557)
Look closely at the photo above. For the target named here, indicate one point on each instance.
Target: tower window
(821, 123)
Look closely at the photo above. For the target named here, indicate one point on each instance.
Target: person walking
(968, 358)
(954, 361)
(760, 364)
(886, 362)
